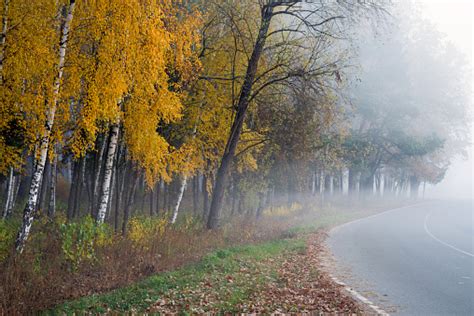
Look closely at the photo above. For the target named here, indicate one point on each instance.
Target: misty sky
(454, 18)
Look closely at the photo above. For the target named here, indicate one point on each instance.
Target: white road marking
(442, 242)
(360, 297)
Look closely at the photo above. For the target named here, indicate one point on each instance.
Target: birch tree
(6, 4)
(28, 213)
(109, 164)
(140, 53)
(9, 196)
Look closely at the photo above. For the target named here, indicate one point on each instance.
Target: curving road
(417, 260)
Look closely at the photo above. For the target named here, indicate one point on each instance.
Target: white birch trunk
(112, 188)
(357, 186)
(9, 199)
(374, 185)
(178, 201)
(183, 183)
(331, 185)
(16, 189)
(345, 182)
(321, 182)
(6, 4)
(30, 207)
(109, 163)
(313, 183)
(382, 184)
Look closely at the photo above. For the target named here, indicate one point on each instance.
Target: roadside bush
(189, 222)
(283, 210)
(141, 229)
(8, 230)
(80, 239)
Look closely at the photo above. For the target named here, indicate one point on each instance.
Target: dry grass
(40, 278)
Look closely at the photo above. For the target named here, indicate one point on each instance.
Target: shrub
(283, 210)
(80, 239)
(189, 222)
(8, 230)
(141, 229)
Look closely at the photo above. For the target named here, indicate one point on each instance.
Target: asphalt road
(417, 260)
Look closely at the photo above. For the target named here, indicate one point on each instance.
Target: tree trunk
(382, 184)
(129, 202)
(142, 188)
(158, 193)
(260, 205)
(16, 190)
(69, 170)
(331, 185)
(165, 196)
(112, 191)
(205, 196)
(414, 187)
(97, 177)
(351, 181)
(272, 198)
(357, 183)
(6, 4)
(52, 188)
(79, 187)
(375, 184)
(152, 194)
(44, 187)
(179, 198)
(322, 178)
(72, 190)
(234, 197)
(9, 196)
(30, 207)
(345, 186)
(195, 194)
(169, 192)
(119, 189)
(236, 129)
(109, 164)
(240, 207)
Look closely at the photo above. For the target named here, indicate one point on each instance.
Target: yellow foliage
(28, 72)
(128, 61)
(141, 230)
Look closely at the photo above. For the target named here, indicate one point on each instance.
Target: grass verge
(221, 281)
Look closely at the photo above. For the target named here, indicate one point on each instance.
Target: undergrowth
(64, 262)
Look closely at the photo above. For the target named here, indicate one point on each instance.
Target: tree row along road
(417, 260)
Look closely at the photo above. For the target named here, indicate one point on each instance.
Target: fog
(458, 182)
(454, 19)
